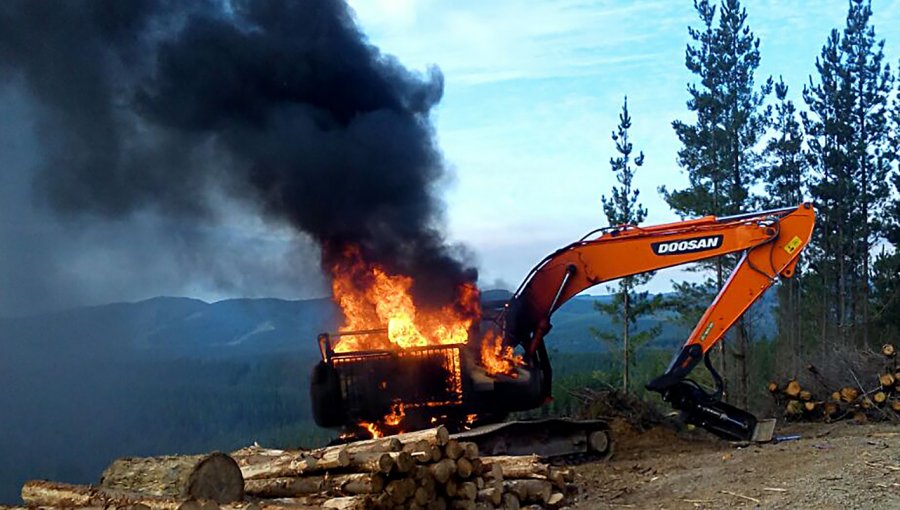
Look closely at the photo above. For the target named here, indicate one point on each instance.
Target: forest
(749, 147)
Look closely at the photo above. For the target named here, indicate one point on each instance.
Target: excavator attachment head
(764, 431)
(724, 420)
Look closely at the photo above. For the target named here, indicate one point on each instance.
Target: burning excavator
(394, 368)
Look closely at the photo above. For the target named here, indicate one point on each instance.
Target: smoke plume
(279, 106)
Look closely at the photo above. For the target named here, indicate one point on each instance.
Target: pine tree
(886, 273)
(622, 208)
(718, 150)
(786, 174)
(848, 137)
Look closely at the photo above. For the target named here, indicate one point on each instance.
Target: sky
(532, 91)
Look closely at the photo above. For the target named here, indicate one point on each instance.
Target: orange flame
(497, 358)
(371, 298)
(372, 428)
(396, 415)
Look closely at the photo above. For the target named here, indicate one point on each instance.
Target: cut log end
(215, 476)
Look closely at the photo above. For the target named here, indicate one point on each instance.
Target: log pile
(873, 397)
(418, 470)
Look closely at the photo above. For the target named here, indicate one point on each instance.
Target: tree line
(749, 147)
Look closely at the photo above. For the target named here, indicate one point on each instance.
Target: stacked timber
(418, 470)
(873, 397)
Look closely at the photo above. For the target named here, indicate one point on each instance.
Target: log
(437, 453)
(888, 350)
(381, 444)
(403, 461)
(348, 503)
(451, 488)
(517, 466)
(467, 490)
(773, 387)
(213, 476)
(792, 389)
(556, 498)
(285, 487)
(809, 407)
(279, 468)
(351, 484)
(879, 397)
(422, 496)
(287, 504)
(477, 466)
(849, 394)
(533, 491)
(330, 458)
(299, 463)
(400, 490)
(895, 405)
(464, 468)
(438, 436)
(454, 450)
(490, 495)
(886, 380)
(256, 454)
(39, 493)
(443, 470)
(836, 396)
(373, 462)
(471, 450)
(805, 395)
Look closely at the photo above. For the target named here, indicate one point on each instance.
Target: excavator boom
(770, 241)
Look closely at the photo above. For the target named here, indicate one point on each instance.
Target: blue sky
(533, 90)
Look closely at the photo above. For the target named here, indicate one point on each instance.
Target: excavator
(769, 244)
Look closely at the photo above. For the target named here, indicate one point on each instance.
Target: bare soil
(832, 466)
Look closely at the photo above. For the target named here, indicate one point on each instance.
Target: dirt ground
(832, 466)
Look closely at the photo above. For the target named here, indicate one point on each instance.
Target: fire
(396, 415)
(372, 428)
(497, 358)
(372, 299)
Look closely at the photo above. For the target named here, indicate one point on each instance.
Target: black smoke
(280, 106)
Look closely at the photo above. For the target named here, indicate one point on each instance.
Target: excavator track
(558, 440)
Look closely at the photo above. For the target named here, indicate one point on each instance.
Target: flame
(372, 428)
(396, 415)
(497, 358)
(380, 314)
(372, 299)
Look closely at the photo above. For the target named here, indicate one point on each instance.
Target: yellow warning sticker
(792, 246)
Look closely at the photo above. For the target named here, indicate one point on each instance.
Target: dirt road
(832, 466)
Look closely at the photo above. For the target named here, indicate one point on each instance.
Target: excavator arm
(771, 243)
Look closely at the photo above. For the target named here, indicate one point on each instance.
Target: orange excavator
(771, 243)
(448, 383)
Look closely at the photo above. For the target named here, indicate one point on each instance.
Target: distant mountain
(168, 327)
(81, 387)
